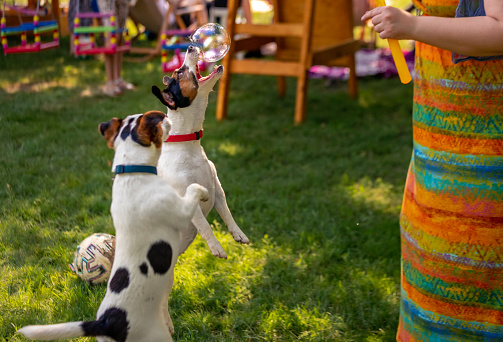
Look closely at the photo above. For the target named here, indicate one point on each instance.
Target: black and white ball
(94, 258)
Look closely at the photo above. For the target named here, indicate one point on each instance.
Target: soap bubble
(212, 40)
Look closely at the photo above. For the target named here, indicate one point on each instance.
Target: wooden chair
(195, 9)
(307, 33)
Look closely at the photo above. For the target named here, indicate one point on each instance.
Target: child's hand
(391, 22)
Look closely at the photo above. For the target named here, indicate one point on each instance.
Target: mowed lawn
(320, 203)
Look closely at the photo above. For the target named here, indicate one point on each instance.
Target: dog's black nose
(190, 49)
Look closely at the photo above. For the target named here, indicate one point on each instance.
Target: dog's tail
(53, 331)
(113, 323)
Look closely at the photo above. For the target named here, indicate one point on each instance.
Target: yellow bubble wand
(396, 52)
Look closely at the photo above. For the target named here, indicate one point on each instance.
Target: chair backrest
(195, 9)
(332, 22)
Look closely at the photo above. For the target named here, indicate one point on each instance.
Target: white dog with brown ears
(148, 216)
(183, 160)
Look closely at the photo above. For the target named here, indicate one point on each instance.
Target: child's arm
(474, 36)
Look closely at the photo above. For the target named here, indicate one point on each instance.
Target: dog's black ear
(153, 117)
(103, 127)
(150, 129)
(110, 130)
(165, 97)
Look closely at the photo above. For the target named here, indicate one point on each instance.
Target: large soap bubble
(212, 40)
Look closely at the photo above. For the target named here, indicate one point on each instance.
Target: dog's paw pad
(244, 241)
(221, 255)
(240, 237)
(203, 194)
(219, 252)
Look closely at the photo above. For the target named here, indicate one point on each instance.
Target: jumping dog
(183, 160)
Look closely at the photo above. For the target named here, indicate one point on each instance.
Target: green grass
(319, 202)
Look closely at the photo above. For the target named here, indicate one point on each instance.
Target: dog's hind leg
(165, 309)
(224, 212)
(204, 228)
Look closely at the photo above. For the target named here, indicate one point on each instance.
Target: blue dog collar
(120, 169)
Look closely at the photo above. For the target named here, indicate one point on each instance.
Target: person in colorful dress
(452, 213)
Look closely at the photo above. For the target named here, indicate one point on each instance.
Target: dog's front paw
(199, 192)
(239, 236)
(217, 249)
(204, 196)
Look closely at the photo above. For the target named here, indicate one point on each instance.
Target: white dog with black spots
(148, 216)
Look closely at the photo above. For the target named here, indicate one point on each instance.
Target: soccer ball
(94, 258)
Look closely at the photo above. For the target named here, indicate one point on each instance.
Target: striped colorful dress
(452, 214)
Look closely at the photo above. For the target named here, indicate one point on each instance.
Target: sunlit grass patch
(301, 323)
(230, 148)
(376, 194)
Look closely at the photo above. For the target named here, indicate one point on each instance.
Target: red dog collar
(185, 137)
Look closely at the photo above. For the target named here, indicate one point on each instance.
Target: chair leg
(353, 79)
(225, 82)
(300, 103)
(306, 60)
(223, 96)
(281, 84)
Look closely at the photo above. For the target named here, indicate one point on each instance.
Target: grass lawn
(320, 203)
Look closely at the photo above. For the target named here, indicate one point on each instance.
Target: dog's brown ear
(166, 98)
(110, 130)
(150, 128)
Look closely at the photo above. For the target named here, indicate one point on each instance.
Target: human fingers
(382, 32)
(393, 23)
(376, 20)
(372, 13)
(380, 29)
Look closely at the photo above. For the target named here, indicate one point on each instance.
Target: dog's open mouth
(202, 79)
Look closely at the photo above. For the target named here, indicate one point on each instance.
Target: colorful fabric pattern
(452, 213)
